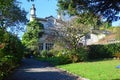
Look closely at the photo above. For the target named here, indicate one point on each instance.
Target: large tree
(71, 33)
(32, 35)
(11, 14)
(106, 8)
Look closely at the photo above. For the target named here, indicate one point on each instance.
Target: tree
(11, 52)
(11, 14)
(106, 8)
(31, 37)
(71, 33)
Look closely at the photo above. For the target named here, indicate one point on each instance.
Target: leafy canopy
(106, 8)
(11, 13)
(33, 33)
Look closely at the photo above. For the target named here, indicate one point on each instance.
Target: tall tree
(106, 8)
(31, 37)
(71, 33)
(11, 13)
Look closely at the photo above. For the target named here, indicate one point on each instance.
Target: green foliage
(34, 31)
(117, 55)
(47, 54)
(12, 45)
(72, 32)
(11, 52)
(56, 60)
(12, 14)
(31, 37)
(99, 7)
(78, 55)
(44, 53)
(7, 63)
(11, 48)
(64, 56)
(69, 6)
(103, 51)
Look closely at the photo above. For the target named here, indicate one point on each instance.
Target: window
(88, 36)
(49, 46)
(41, 46)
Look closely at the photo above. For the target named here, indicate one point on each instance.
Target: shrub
(11, 52)
(53, 52)
(117, 55)
(103, 51)
(79, 54)
(98, 51)
(43, 53)
(7, 63)
(46, 53)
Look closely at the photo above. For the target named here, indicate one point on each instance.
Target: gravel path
(35, 70)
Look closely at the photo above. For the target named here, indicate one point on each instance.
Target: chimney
(32, 12)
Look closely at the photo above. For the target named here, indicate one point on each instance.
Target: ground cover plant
(96, 70)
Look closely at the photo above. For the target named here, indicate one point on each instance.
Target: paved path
(35, 70)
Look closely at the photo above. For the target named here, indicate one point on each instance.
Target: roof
(41, 19)
(111, 38)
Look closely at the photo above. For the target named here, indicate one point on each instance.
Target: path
(35, 70)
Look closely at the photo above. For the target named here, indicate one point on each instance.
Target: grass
(98, 70)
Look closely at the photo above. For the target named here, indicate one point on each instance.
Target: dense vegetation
(11, 48)
(104, 8)
(104, 51)
(31, 37)
(92, 52)
(11, 52)
(11, 14)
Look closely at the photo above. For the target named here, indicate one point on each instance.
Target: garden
(95, 70)
(95, 62)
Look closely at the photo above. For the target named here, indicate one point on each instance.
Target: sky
(44, 8)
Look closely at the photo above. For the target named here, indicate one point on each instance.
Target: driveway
(36, 70)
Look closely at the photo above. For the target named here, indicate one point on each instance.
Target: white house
(47, 40)
(50, 23)
(92, 39)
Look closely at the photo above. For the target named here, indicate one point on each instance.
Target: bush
(7, 63)
(65, 56)
(45, 53)
(117, 55)
(11, 52)
(56, 60)
(103, 51)
(79, 54)
(52, 52)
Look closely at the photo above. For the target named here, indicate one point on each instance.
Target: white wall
(93, 38)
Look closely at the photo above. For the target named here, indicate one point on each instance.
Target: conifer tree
(31, 37)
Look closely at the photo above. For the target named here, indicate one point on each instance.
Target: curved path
(35, 70)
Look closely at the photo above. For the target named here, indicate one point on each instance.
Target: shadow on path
(35, 70)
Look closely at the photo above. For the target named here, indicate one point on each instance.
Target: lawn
(97, 70)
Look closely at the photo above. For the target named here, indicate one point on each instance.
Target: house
(51, 24)
(47, 39)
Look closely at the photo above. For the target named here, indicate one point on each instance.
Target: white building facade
(47, 40)
(50, 23)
